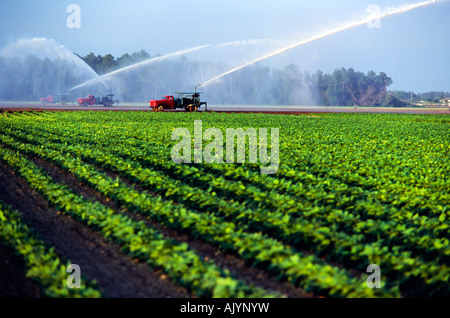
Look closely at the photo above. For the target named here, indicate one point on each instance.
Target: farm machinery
(105, 100)
(188, 101)
(51, 99)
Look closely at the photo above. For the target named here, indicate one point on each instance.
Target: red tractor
(47, 100)
(190, 102)
(50, 99)
(106, 100)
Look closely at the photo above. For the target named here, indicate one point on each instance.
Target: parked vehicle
(105, 100)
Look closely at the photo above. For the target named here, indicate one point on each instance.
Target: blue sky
(412, 48)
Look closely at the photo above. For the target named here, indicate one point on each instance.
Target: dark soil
(13, 282)
(116, 274)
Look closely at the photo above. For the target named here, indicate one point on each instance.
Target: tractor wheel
(84, 104)
(160, 108)
(195, 108)
(190, 108)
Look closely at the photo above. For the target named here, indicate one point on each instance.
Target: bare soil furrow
(116, 274)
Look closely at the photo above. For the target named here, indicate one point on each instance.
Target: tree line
(32, 78)
(412, 97)
(107, 63)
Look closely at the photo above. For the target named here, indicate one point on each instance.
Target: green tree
(108, 63)
(91, 60)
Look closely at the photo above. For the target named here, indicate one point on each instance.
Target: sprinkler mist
(43, 48)
(350, 25)
(137, 65)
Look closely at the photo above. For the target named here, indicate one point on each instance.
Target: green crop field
(351, 190)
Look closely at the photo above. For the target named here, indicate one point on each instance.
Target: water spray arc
(44, 48)
(350, 25)
(148, 61)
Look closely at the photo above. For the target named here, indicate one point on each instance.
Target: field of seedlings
(100, 190)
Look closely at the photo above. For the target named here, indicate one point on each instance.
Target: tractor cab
(107, 99)
(190, 101)
(53, 99)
